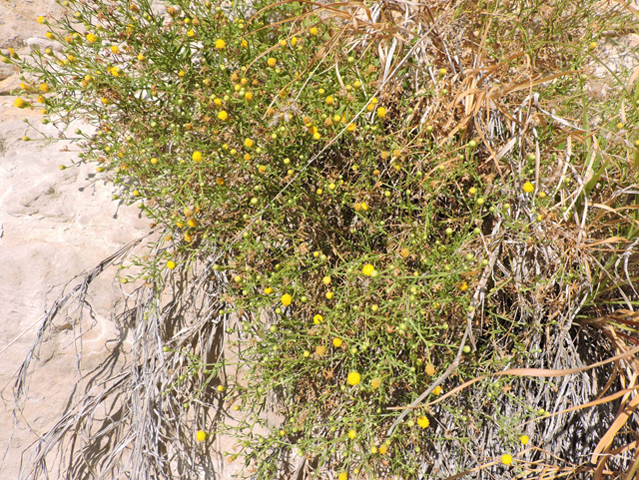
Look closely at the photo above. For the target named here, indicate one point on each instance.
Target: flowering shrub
(359, 204)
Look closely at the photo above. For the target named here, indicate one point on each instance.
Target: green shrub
(346, 182)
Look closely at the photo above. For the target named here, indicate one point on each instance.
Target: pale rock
(9, 84)
(55, 224)
(43, 43)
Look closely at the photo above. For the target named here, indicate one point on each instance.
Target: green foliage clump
(347, 178)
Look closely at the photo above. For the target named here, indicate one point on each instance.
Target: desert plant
(361, 207)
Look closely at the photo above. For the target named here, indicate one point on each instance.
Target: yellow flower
(244, 43)
(40, 19)
(437, 390)
(271, 62)
(313, 31)
(294, 41)
(261, 168)
(220, 181)
(337, 342)
(193, 223)
(353, 378)
(423, 422)
(220, 44)
(429, 369)
(464, 287)
(506, 459)
(383, 449)
(351, 127)
(368, 269)
(329, 100)
(375, 383)
(371, 107)
(197, 156)
(343, 476)
(317, 136)
(329, 295)
(528, 187)
(19, 103)
(217, 102)
(49, 35)
(171, 264)
(91, 38)
(318, 319)
(248, 143)
(223, 115)
(191, 33)
(443, 72)
(201, 436)
(283, 43)
(326, 280)
(181, 73)
(286, 299)
(247, 157)
(381, 112)
(268, 291)
(352, 434)
(320, 350)
(115, 49)
(248, 96)
(524, 439)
